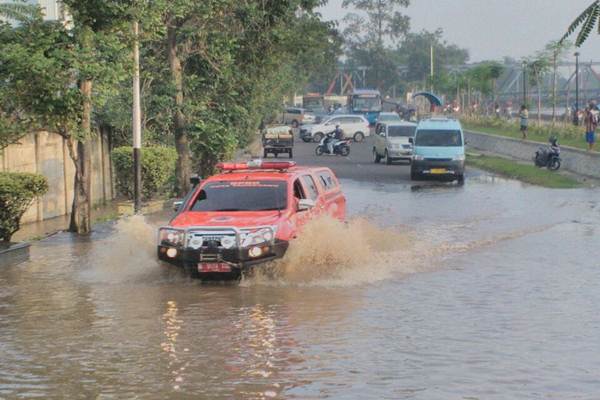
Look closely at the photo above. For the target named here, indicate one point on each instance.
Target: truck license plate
(438, 171)
(214, 267)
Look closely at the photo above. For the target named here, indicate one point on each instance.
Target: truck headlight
(260, 236)
(459, 157)
(227, 242)
(173, 237)
(418, 157)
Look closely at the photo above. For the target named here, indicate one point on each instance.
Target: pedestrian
(591, 122)
(524, 115)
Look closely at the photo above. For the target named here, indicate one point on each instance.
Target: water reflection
(515, 280)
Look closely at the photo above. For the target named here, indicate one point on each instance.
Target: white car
(392, 141)
(309, 118)
(354, 126)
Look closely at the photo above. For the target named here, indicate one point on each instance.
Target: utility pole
(524, 83)
(137, 124)
(575, 114)
(431, 65)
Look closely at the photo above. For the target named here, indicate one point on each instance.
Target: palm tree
(589, 18)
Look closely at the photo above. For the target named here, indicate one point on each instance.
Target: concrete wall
(47, 154)
(573, 160)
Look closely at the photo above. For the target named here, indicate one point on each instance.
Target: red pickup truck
(247, 215)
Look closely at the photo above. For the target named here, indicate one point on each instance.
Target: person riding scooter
(334, 137)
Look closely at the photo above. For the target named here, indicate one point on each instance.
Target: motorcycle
(342, 147)
(548, 156)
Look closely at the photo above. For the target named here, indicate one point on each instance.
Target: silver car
(392, 142)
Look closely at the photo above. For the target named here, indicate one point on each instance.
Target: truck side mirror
(411, 140)
(195, 180)
(177, 205)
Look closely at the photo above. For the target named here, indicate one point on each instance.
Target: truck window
(262, 195)
(310, 186)
(327, 180)
(438, 138)
(401, 131)
(298, 190)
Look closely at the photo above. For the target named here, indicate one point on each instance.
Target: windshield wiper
(229, 209)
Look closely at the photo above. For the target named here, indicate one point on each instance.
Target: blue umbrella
(433, 99)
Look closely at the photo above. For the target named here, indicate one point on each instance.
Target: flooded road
(487, 291)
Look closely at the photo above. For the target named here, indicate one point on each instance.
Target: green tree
(49, 70)
(536, 69)
(586, 20)
(384, 20)
(558, 49)
(415, 54)
(370, 38)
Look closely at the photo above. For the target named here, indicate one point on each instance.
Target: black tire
(317, 137)
(376, 157)
(388, 161)
(290, 154)
(191, 270)
(295, 124)
(345, 150)
(359, 137)
(307, 139)
(414, 175)
(554, 164)
(265, 154)
(460, 178)
(319, 151)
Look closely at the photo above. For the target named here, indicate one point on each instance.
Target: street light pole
(575, 114)
(525, 83)
(431, 65)
(137, 125)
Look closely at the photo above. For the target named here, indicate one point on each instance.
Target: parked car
(354, 126)
(392, 141)
(309, 117)
(246, 215)
(438, 149)
(294, 116)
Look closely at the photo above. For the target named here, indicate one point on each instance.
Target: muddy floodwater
(486, 291)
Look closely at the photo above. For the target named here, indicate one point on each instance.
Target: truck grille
(210, 257)
(438, 159)
(201, 239)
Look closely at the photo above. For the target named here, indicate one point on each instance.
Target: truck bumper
(438, 167)
(232, 261)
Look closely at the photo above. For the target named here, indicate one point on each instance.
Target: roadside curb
(125, 208)
(579, 162)
(14, 253)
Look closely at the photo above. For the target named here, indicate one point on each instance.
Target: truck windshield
(438, 138)
(244, 195)
(401, 131)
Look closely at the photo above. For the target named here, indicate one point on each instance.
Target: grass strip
(523, 172)
(514, 132)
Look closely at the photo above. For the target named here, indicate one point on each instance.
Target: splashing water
(128, 254)
(332, 253)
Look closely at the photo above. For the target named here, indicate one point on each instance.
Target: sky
(492, 29)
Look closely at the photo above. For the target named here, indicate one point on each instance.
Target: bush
(158, 170)
(17, 192)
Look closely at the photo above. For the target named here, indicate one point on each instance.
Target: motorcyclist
(334, 137)
(554, 147)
